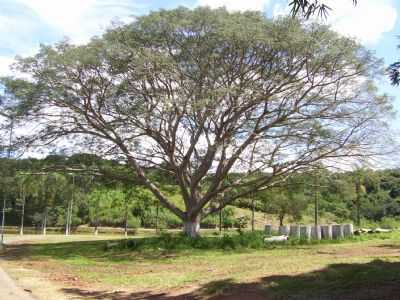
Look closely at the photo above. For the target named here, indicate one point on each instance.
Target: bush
(228, 217)
(390, 223)
(133, 223)
(210, 221)
(172, 221)
(168, 242)
(227, 242)
(241, 223)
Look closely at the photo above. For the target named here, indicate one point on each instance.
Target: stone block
(305, 232)
(337, 231)
(316, 232)
(326, 232)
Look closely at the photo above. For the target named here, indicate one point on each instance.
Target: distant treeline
(85, 189)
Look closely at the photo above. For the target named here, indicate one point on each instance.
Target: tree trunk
(70, 216)
(281, 217)
(192, 227)
(253, 209)
(96, 230)
(220, 221)
(21, 229)
(44, 229)
(157, 215)
(316, 201)
(358, 202)
(70, 208)
(126, 227)
(3, 218)
(126, 217)
(67, 219)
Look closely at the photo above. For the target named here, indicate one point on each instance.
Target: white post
(326, 231)
(305, 232)
(337, 231)
(316, 232)
(268, 229)
(295, 231)
(348, 230)
(284, 230)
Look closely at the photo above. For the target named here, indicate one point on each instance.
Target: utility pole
(45, 213)
(316, 187)
(68, 171)
(4, 194)
(3, 220)
(358, 200)
(253, 209)
(220, 221)
(23, 199)
(157, 215)
(126, 198)
(253, 200)
(316, 200)
(221, 211)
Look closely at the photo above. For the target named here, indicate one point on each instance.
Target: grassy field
(85, 267)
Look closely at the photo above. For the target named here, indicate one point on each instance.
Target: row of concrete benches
(316, 232)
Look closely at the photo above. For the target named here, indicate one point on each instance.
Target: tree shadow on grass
(95, 250)
(378, 280)
(119, 250)
(106, 295)
(374, 280)
(390, 246)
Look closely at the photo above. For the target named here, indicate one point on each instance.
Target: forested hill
(105, 193)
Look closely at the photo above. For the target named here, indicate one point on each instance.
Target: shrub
(390, 223)
(241, 223)
(133, 223)
(168, 242)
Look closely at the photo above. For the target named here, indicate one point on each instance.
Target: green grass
(222, 265)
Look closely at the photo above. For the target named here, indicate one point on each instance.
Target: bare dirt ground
(10, 291)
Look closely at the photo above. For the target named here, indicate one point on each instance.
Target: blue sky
(25, 24)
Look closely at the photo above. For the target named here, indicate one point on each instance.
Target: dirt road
(10, 291)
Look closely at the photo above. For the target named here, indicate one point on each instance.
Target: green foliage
(286, 201)
(241, 223)
(105, 201)
(173, 242)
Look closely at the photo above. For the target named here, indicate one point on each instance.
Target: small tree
(284, 202)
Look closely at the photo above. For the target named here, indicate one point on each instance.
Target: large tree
(196, 93)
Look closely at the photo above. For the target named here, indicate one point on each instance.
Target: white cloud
(5, 62)
(79, 20)
(367, 22)
(25, 24)
(235, 5)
